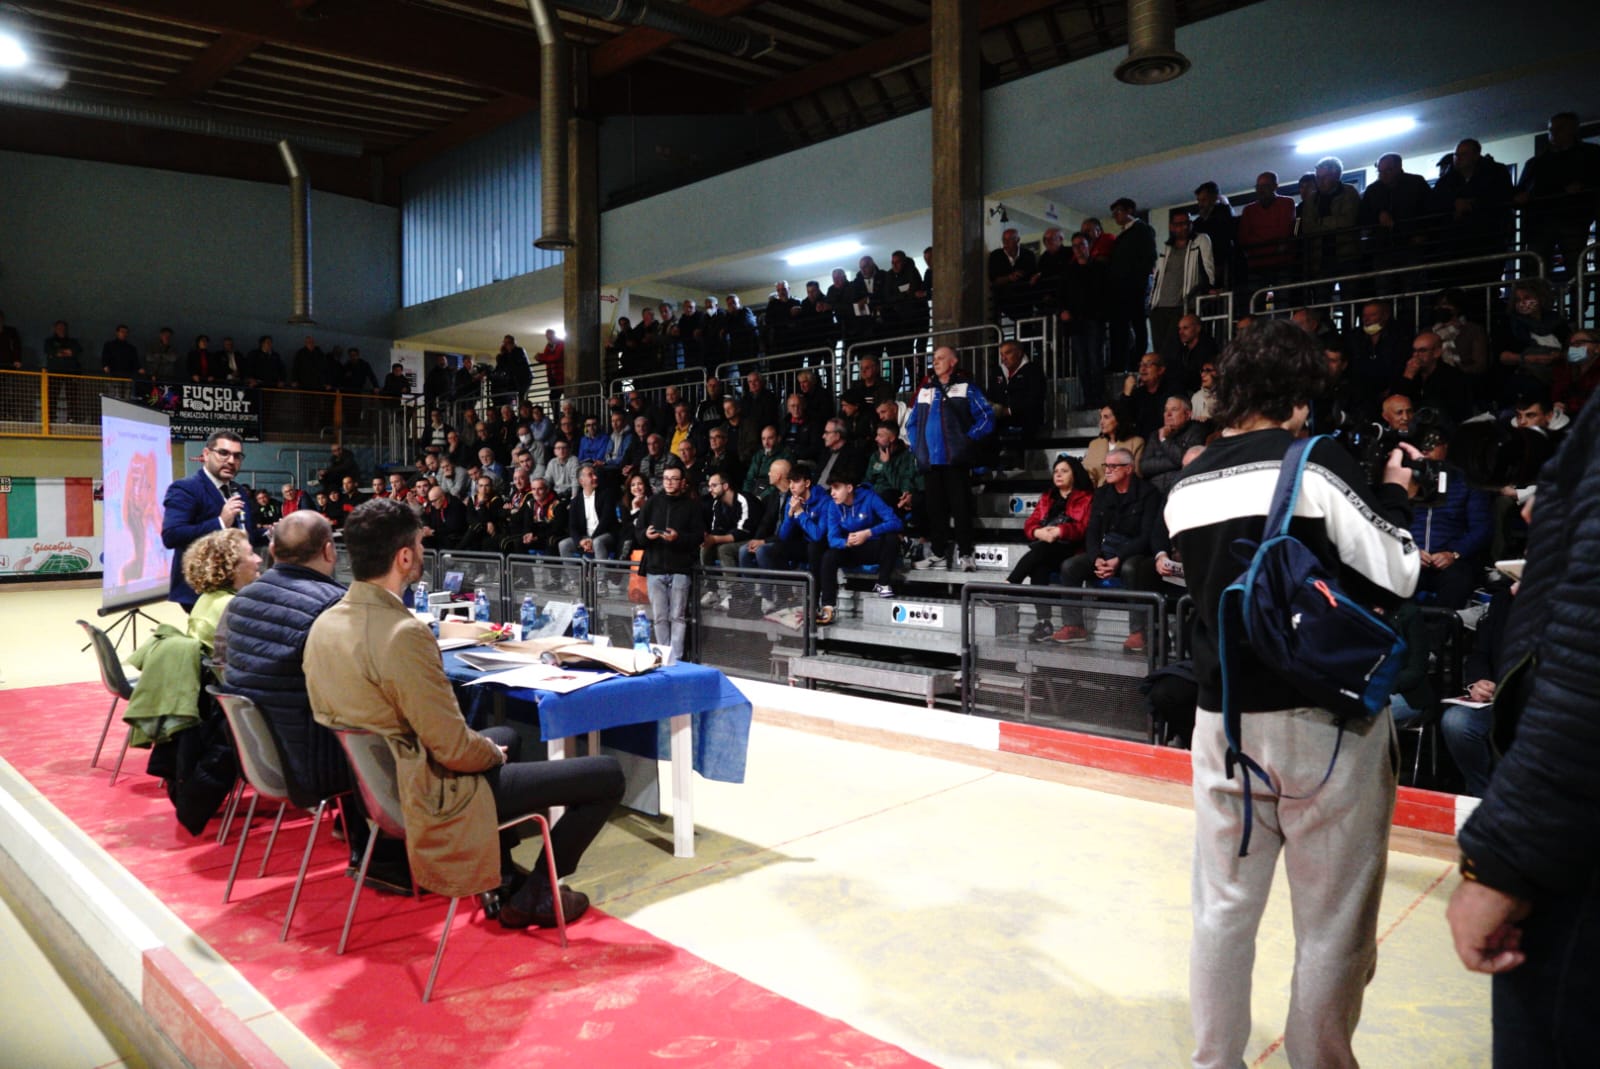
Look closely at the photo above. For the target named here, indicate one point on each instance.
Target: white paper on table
(455, 643)
(544, 677)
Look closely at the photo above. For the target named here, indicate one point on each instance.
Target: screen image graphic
(136, 456)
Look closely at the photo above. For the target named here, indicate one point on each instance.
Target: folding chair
(263, 769)
(373, 766)
(119, 682)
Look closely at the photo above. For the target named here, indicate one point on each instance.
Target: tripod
(127, 626)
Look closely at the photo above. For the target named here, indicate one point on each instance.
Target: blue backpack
(1288, 609)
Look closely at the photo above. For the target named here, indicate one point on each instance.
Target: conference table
(688, 713)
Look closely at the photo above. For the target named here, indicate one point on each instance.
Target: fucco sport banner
(48, 527)
(197, 409)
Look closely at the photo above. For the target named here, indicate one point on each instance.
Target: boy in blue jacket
(802, 534)
(861, 529)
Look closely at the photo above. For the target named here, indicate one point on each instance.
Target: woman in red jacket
(1055, 532)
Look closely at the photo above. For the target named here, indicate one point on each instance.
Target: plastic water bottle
(481, 606)
(580, 622)
(641, 630)
(419, 596)
(530, 616)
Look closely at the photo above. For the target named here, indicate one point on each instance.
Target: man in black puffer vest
(262, 640)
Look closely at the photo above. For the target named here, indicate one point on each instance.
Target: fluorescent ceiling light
(12, 54)
(1355, 134)
(817, 254)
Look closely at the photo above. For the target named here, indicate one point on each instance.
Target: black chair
(119, 682)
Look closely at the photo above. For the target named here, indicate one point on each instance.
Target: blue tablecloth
(632, 711)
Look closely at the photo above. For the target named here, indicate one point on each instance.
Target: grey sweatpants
(1335, 851)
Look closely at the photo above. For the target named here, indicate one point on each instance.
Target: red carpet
(617, 997)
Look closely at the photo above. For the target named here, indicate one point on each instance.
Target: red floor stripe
(617, 998)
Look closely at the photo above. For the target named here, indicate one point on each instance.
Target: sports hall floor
(983, 911)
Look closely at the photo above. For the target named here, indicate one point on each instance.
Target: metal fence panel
(479, 571)
(547, 579)
(20, 410)
(750, 623)
(1090, 686)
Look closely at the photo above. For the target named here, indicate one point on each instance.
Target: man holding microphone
(209, 500)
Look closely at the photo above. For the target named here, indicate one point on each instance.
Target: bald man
(262, 640)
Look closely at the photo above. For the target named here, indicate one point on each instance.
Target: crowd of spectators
(310, 367)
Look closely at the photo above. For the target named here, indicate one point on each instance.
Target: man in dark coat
(1528, 911)
(1133, 257)
(209, 500)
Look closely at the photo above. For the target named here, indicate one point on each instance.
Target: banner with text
(48, 527)
(196, 409)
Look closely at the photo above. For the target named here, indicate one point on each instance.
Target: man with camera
(1331, 825)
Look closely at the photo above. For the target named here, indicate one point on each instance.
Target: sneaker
(931, 560)
(708, 599)
(1070, 633)
(1134, 643)
(1041, 631)
(825, 616)
(725, 602)
(967, 563)
(882, 590)
(768, 605)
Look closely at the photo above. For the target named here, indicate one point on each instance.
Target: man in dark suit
(1133, 258)
(209, 500)
(591, 519)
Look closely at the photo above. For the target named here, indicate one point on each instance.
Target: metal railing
(652, 386)
(1495, 266)
(1215, 312)
(1586, 288)
(44, 404)
(976, 348)
(781, 371)
(1090, 687)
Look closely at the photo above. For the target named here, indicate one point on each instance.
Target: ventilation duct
(1153, 55)
(299, 235)
(555, 104)
(680, 20)
(182, 120)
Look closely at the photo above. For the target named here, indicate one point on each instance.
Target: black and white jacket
(1224, 495)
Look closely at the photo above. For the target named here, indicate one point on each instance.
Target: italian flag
(47, 508)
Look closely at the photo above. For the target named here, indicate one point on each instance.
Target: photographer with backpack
(1321, 776)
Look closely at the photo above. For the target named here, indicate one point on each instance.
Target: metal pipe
(299, 236)
(182, 120)
(1153, 55)
(680, 20)
(555, 106)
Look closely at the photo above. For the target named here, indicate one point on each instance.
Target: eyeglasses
(233, 454)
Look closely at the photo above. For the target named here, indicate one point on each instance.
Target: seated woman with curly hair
(217, 566)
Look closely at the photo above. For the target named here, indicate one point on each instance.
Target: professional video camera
(1372, 442)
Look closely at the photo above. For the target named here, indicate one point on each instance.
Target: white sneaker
(883, 590)
(968, 564)
(708, 599)
(726, 602)
(932, 560)
(767, 605)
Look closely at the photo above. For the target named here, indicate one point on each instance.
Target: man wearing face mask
(1379, 348)
(1578, 377)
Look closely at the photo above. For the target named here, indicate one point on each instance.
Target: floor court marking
(725, 862)
(1405, 914)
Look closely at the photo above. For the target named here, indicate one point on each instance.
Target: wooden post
(958, 255)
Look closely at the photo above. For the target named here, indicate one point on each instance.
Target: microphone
(229, 490)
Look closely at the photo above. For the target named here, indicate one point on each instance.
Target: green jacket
(166, 700)
(895, 476)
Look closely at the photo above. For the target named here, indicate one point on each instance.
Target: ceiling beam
(640, 42)
(474, 123)
(381, 32)
(211, 66)
(909, 44)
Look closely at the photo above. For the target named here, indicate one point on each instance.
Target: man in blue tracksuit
(802, 533)
(861, 529)
(950, 416)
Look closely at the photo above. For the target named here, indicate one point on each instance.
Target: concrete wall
(97, 244)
